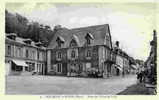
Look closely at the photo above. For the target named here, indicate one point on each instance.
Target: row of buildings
(79, 51)
(23, 56)
(150, 65)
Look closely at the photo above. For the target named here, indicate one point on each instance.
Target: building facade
(150, 65)
(23, 56)
(71, 52)
(122, 64)
(80, 51)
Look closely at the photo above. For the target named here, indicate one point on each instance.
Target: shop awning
(20, 63)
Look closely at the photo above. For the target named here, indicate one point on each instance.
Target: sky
(131, 24)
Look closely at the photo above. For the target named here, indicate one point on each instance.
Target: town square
(80, 49)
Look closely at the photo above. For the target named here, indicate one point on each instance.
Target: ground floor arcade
(85, 69)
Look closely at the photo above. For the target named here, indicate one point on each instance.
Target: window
(33, 54)
(107, 39)
(59, 44)
(88, 65)
(27, 53)
(88, 41)
(38, 55)
(73, 43)
(73, 54)
(33, 67)
(59, 67)
(52, 67)
(9, 50)
(19, 52)
(80, 67)
(88, 38)
(26, 69)
(88, 53)
(59, 55)
(60, 40)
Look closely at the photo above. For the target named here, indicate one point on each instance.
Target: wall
(101, 53)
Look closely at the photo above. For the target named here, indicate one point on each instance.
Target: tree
(16, 23)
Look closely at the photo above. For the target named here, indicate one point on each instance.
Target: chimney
(57, 27)
(117, 44)
(154, 41)
(154, 35)
(154, 31)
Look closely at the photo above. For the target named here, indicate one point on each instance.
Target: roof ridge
(90, 26)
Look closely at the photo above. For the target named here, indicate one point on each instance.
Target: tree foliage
(16, 23)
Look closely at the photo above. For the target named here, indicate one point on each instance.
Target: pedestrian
(137, 77)
(144, 76)
(141, 76)
(123, 74)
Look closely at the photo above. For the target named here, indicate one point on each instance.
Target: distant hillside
(16, 23)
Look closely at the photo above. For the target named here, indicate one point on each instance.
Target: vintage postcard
(80, 49)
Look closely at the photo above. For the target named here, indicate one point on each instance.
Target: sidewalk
(137, 89)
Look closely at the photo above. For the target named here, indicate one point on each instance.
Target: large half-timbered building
(80, 50)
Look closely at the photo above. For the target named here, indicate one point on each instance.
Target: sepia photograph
(80, 48)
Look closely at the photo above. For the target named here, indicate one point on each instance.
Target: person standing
(138, 76)
(141, 76)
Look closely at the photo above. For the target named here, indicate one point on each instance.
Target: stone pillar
(35, 67)
(14, 51)
(8, 67)
(48, 60)
(23, 68)
(43, 70)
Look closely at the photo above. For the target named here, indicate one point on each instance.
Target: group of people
(141, 76)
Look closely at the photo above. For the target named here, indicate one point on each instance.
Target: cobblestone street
(67, 85)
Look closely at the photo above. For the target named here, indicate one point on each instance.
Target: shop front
(18, 67)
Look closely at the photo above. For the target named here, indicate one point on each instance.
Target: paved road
(64, 85)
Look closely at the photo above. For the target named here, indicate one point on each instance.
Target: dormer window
(60, 40)
(74, 42)
(88, 41)
(88, 38)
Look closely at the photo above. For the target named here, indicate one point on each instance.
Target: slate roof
(98, 32)
(20, 40)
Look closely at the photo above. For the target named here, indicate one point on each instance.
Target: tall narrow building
(151, 62)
